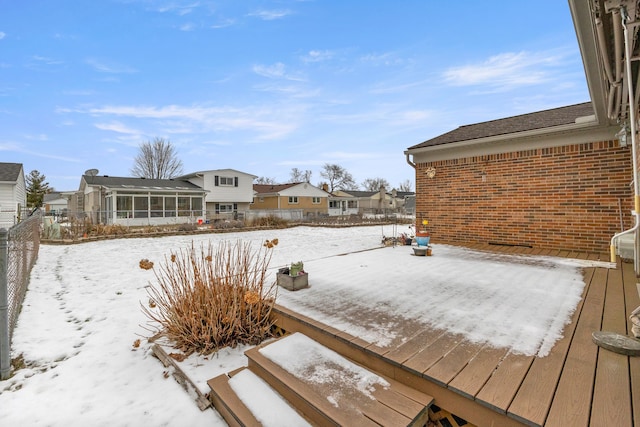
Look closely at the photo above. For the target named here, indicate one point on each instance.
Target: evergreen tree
(37, 187)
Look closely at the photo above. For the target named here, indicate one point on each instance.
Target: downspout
(632, 120)
(413, 165)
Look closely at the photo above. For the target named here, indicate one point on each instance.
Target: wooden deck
(577, 384)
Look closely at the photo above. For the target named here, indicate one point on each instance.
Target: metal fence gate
(19, 247)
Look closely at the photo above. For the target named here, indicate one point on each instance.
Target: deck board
(572, 401)
(536, 393)
(500, 389)
(474, 376)
(429, 355)
(453, 362)
(410, 348)
(577, 384)
(611, 397)
(632, 301)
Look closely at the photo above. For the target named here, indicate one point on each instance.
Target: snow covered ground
(82, 315)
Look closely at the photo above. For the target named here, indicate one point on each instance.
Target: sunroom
(141, 201)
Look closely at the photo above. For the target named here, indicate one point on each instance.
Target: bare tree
(300, 176)
(157, 159)
(338, 178)
(374, 184)
(405, 186)
(265, 180)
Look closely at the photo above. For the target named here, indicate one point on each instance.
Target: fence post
(5, 352)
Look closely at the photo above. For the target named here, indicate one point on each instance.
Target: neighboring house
(373, 202)
(55, 203)
(410, 204)
(140, 201)
(310, 200)
(229, 192)
(13, 194)
(341, 203)
(558, 178)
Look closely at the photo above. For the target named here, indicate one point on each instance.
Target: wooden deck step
(332, 390)
(265, 407)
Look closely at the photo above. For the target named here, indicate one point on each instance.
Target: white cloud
(189, 26)
(223, 23)
(506, 69)
(317, 56)
(275, 71)
(117, 127)
(268, 123)
(270, 15)
(112, 68)
(178, 9)
(38, 137)
(37, 60)
(387, 58)
(19, 148)
(2, 35)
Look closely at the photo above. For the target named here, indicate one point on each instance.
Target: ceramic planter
(422, 238)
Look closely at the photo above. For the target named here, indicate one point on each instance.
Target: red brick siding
(563, 197)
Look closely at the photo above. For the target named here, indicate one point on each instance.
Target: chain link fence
(19, 247)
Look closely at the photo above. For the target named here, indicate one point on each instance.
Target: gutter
(632, 119)
(406, 155)
(559, 130)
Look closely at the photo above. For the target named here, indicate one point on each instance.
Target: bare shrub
(270, 221)
(209, 298)
(229, 224)
(187, 227)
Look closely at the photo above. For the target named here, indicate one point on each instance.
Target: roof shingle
(9, 172)
(522, 123)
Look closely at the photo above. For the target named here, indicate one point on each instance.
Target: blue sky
(266, 86)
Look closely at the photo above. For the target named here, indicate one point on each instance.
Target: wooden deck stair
(392, 404)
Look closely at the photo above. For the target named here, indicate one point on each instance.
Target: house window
(224, 207)
(184, 206)
(334, 204)
(352, 204)
(226, 181)
(293, 200)
(141, 207)
(124, 206)
(315, 200)
(157, 206)
(170, 207)
(196, 205)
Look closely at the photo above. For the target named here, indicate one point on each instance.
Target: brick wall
(562, 197)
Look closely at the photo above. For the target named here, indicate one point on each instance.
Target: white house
(343, 203)
(140, 201)
(55, 203)
(13, 194)
(229, 192)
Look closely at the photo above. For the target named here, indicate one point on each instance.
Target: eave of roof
(524, 125)
(142, 184)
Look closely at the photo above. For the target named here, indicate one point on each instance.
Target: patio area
(575, 383)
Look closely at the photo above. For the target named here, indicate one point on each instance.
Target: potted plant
(423, 236)
(293, 277)
(407, 238)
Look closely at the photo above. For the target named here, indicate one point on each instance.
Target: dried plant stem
(209, 298)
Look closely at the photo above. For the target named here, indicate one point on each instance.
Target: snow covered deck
(575, 382)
